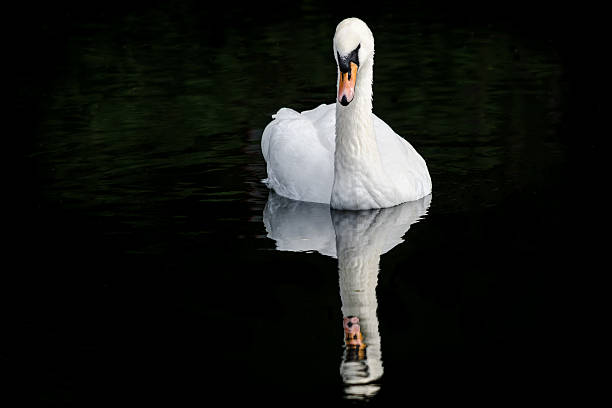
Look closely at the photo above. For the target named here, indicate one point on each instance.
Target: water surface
(163, 278)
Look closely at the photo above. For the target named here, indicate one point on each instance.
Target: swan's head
(353, 48)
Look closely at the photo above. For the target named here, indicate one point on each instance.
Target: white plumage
(342, 154)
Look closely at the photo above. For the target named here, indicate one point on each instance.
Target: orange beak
(346, 85)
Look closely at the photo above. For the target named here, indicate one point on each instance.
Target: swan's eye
(344, 62)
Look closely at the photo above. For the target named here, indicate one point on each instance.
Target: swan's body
(342, 154)
(299, 150)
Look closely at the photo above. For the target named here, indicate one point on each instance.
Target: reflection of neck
(358, 247)
(358, 267)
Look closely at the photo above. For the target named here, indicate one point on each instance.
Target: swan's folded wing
(299, 161)
(282, 114)
(323, 118)
(402, 163)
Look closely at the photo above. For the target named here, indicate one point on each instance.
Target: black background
(543, 357)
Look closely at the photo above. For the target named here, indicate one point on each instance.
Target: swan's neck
(359, 179)
(354, 126)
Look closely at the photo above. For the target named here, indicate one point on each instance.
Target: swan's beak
(346, 85)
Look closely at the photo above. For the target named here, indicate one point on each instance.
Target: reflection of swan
(304, 226)
(357, 239)
(342, 154)
(299, 226)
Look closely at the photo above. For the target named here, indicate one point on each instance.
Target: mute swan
(342, 154)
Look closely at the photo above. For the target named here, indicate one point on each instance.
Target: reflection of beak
(346, 85)
(352, 331)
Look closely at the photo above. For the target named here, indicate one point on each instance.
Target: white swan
(342, 154)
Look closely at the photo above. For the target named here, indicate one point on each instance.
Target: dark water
(159, 279)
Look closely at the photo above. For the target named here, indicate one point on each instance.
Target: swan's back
(402, 163)
(299, 153)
